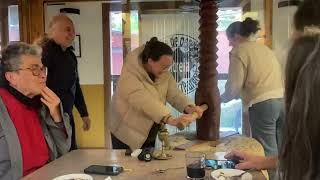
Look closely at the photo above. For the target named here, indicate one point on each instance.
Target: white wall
(282, 30)
(165, 25)
(89, 25)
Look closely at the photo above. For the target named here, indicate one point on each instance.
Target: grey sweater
(10, 150)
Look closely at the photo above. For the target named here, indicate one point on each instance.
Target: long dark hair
(245, 28)
(154, 49)
(300, 154)
(308, 14)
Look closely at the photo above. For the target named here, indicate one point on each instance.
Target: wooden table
(76, 161)
(186, 141)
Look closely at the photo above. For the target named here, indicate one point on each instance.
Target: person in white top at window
(299, 158)
(255, 76)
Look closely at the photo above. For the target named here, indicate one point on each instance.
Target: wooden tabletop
(76, 161)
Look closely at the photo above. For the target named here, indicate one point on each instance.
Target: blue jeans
(266, 120)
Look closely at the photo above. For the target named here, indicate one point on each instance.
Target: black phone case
(92, 170)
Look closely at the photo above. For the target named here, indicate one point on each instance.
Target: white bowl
(230, 172)
(74, 176)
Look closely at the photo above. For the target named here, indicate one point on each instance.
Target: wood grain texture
(207, 91)
(106, 71)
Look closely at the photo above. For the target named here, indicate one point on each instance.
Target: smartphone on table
(220, 164)
(111, 170)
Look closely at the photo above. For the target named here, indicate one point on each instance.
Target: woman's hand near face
(52, 101)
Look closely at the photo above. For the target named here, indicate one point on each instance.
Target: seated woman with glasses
(33, 127)
(35, 69)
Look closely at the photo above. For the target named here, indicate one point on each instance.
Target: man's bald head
(61, 30)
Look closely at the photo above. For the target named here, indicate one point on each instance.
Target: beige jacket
(254, 74)
(139, 102)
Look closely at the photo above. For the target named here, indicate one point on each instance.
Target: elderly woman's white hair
(11, 55)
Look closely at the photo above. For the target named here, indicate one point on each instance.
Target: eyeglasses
(35, 70)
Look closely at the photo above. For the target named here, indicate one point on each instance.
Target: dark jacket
(63, 76)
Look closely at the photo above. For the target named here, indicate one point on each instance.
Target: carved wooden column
(207, 91)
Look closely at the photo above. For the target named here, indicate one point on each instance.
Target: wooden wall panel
(4, 26)
(107, 71)
(24, 19)
(36, 19)
(32, 19)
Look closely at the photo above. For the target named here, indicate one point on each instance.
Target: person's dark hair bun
(150, 44)
(245, 28)
(154, 49)
(152, 40)
(249, 26)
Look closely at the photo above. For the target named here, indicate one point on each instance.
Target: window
(117, 42)
(9, 22)
(231, 112)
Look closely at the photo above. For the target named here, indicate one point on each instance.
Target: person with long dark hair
(139, 103)
(301, 145)
(255, 76)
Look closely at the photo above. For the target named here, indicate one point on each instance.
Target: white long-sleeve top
(254, 74)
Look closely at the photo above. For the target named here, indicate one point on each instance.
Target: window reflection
(13, 23)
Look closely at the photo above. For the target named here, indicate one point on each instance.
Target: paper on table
(108, 178)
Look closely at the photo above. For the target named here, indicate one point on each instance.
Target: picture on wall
(77, 46)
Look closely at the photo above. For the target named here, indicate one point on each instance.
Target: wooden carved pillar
(207, 91)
